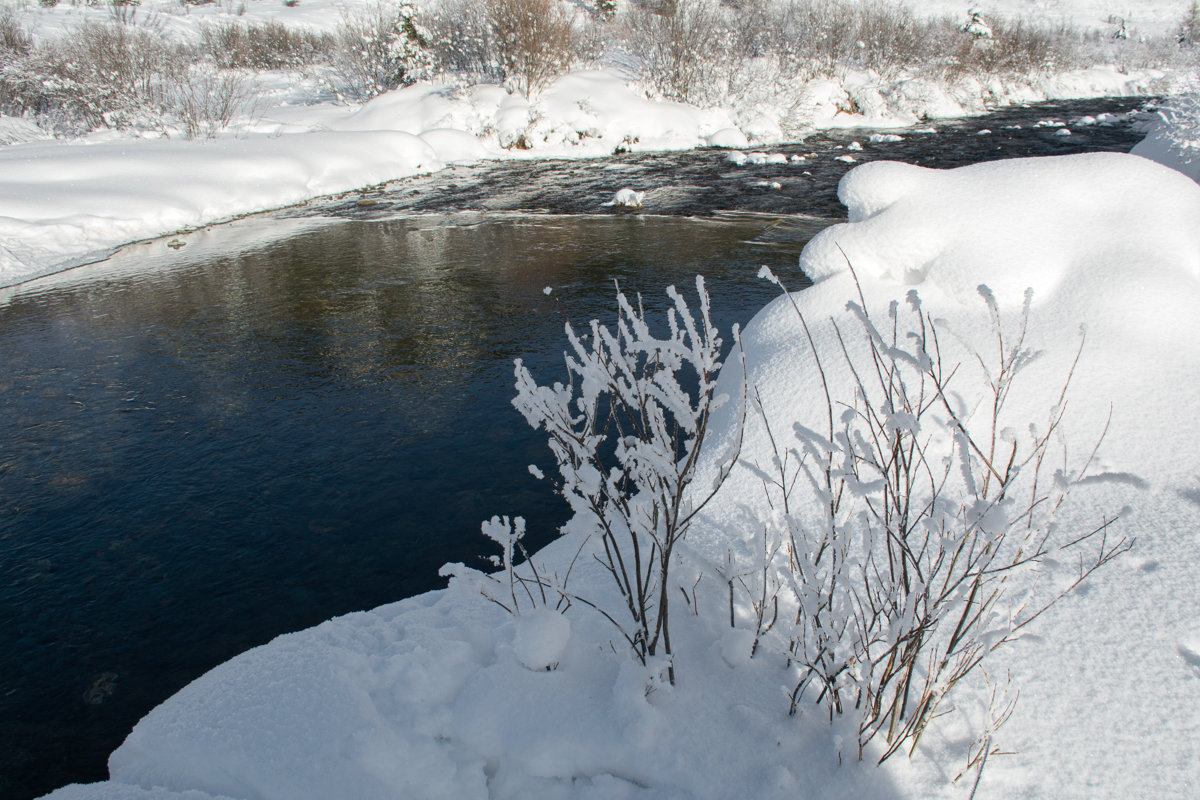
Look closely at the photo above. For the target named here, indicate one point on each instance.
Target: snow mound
(541, 640)
(728, 137)
(627, 198)
(961, 227)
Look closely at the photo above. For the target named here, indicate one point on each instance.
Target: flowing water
(304, 414)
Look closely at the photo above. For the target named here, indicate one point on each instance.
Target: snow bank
(900, 231)
(66, 204)
(445, 695)
(1174, 138)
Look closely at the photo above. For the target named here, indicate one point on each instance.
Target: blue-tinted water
(200, 455)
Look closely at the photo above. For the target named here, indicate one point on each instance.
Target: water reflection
(202, 454)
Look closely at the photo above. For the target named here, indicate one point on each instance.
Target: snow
(296, 144)
(447, 695)
(994, 241)
(66, 204)
(1174, 138)
(627, 198)
(1158, 147)
(541, 638)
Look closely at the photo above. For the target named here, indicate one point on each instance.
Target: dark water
(202, 449)
(197, 459)
(703, 181)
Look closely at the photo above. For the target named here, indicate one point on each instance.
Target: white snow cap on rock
(1011, 224)
(627, 198)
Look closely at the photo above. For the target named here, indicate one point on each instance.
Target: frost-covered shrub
(270, 45)
(15, 46)
(685, 48)
(535, 41)
(626, 434)
(1189, 26)
(381, 47)
(1015, 47)
(929, 539)
(463, 41)
(1180, 128)
(98, 74)
(14, 40)
(899, 542)
(115, 75)
(205, 99)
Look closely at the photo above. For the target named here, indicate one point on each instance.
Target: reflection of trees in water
(421, 302)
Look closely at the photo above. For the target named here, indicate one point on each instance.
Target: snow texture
(446, 695)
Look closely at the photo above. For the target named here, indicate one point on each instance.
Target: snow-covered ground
(64, 203)
(446, 695)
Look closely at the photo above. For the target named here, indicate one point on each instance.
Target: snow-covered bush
(381, 46)
(15, 46)
(684, 47)
(1175, 139)
(463, 41)
(1189, 26)
(14, 40)
(1014, 47)
(898, 546)
(232, 44)
(626, 434)
(205, 100)
(99, 74)
(703, 52)
(535, 41)
(929, 535)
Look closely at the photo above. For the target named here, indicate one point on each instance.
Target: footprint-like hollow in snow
(1189, 651)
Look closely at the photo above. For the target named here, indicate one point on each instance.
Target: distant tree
(409, 49)
(1189, 27)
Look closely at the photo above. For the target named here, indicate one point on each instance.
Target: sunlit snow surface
(65, 203)
(435, 697)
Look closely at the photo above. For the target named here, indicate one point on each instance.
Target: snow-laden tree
(409, 49)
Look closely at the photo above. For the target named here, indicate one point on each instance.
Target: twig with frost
(626, 435)
(904, 572)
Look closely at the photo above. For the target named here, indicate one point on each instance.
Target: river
(306, 413)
